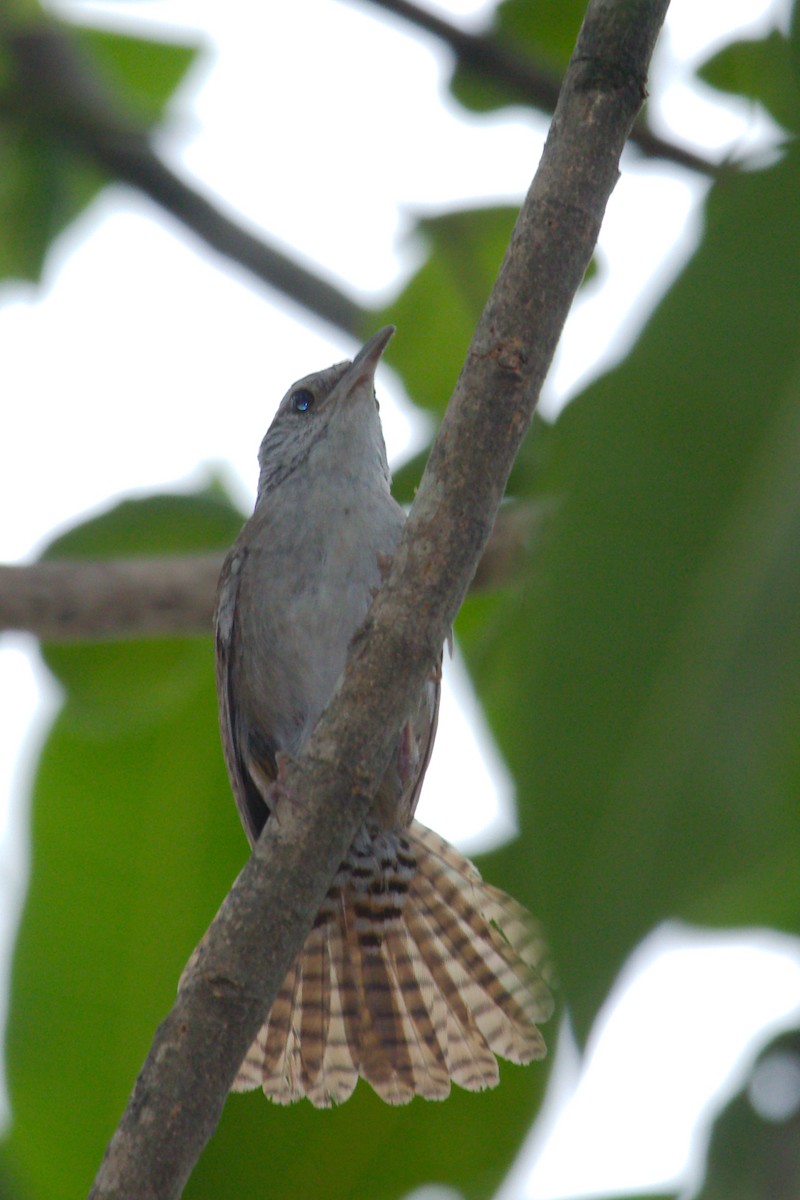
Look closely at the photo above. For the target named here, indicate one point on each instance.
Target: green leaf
(142, 72)
(26, 203)
(405, 480)
(135, 843)
(794, 45)
(643, 684)
(549, 30)
(544, 33)
(44, 185)
(437, 311)
(762, 70)
(41, 191)
(439, 307)
(525, 474)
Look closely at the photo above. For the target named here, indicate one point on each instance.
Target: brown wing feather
(249, 778)
(426, 747)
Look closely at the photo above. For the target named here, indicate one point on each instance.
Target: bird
(416, 974)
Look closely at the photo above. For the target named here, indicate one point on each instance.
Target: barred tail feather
(470, 1063)
(338, 1074)
(383, 1054)
(315, 1012)
(417, 974)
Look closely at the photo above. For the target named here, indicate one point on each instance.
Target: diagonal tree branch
(90, 600)
(57, 89)
(178, 1097)
(525, 79)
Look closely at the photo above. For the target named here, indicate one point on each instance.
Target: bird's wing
(427, 734)
(251, 769)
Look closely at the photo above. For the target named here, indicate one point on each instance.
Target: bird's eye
(302, 400)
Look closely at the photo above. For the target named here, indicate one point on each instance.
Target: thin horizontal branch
(78, 600)
(72, 600)
(524, 78)
(325, 795)
(58, 90)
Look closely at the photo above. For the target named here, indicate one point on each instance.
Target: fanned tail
(416, 974)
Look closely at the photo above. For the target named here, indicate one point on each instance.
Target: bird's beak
(363, 367)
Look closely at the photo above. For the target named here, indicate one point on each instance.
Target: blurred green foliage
(643, 685)
(640, 676)
(439, 307)
(763, 70)
(544, 33)
(44, 185)
(131, 857)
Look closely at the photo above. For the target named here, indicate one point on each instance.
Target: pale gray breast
(305, 588)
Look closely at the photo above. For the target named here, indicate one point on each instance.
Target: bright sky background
(142, 359)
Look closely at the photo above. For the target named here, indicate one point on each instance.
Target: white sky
(141, 359)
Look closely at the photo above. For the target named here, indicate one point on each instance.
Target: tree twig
(181, 1089)
(524, 78)
(78, 600)
(58, 90)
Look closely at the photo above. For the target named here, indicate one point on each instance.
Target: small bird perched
(416, 973)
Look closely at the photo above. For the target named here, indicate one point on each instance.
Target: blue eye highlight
(302, 400)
